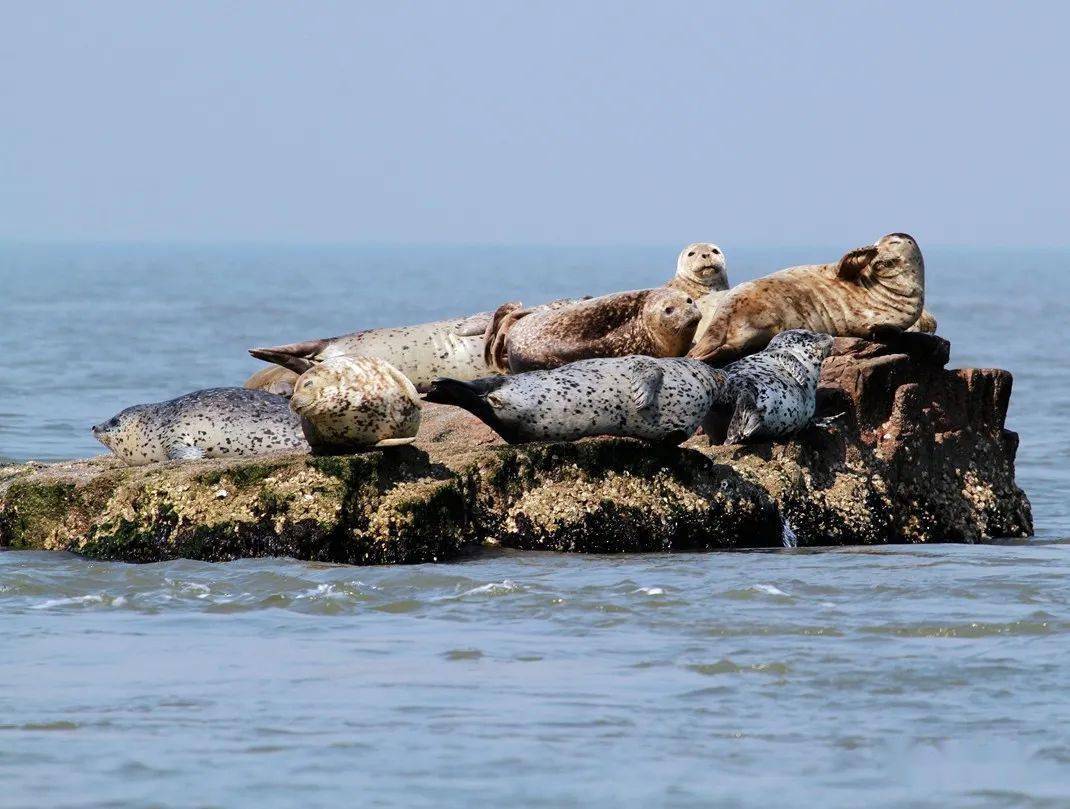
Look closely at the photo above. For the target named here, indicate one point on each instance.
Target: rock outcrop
(902, 451)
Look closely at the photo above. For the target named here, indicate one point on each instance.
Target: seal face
(349, 403)
(655, 322)
(700, 269)
(212, 423)
(879, 286)
(772, 393)
(661, 400)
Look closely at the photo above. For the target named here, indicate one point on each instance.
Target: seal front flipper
(394, 442)
(184, 453)
(746, 420)
(646, 383)
(854, 262)
(295, 356)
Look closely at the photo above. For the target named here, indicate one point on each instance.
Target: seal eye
(691, 253)
(690, 301)
(715, 251)
(669, 310)
(308, 383)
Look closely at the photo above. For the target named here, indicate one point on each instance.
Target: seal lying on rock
(655, 322)
(872, 287)
(212, 423)
(274, 379)
(422, 352)
(772, 393)
(663, 400)
(348, 403)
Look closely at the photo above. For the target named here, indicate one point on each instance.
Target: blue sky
(556, 123)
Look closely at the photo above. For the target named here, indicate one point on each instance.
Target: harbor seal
(655, 322)
(700, 269)
(663, 400)
(212, 423)
(349, 403)
(879, 286)
(421, 352)
(772, 393)
(274, 379)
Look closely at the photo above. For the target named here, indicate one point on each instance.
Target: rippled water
(912, 676)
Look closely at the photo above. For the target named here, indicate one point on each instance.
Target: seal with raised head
(663, 400)
(879, 286)
(701, 273)
(654, 322)
(212, 423)
(349, 403)
(770, 394)
(273, 379)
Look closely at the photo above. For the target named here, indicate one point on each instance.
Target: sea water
(903, 676)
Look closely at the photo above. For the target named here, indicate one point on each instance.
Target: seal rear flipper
(184, 453)
(298, 357)
(472, 396)
(495, 347)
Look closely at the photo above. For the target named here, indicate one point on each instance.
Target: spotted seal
(663, 400)
(879, 286)
(657, 322)
(348, 403)
(212, 423)
(772, 393)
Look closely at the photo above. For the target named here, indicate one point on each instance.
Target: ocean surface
(903, 676)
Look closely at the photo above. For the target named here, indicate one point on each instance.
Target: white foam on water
(769, 589)
(790, 540)
(93, 598)
(493, 588)
(650, 591)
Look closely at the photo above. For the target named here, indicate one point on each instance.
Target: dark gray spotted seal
(770, 394)
(212, 423)
(663, 400)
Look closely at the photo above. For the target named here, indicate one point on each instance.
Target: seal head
(670, 318)
(348, 403)
(700, 269)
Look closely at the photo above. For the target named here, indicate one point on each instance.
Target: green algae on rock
(903, 451)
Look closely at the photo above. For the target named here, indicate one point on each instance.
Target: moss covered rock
(904, 451)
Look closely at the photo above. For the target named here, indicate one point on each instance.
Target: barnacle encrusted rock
(903, 451)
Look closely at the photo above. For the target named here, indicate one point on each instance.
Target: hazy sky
(745, 123)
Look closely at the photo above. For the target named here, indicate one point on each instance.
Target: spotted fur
(352, 402)
(212, 423)
(662, 400)
(770, 394)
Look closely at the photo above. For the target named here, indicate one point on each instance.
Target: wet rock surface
(903, 450)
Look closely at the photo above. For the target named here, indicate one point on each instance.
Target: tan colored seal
(880, 286)
(655, 322)
(347, 403)
(275, 379)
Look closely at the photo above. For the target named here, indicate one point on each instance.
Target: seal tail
(295, 356)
